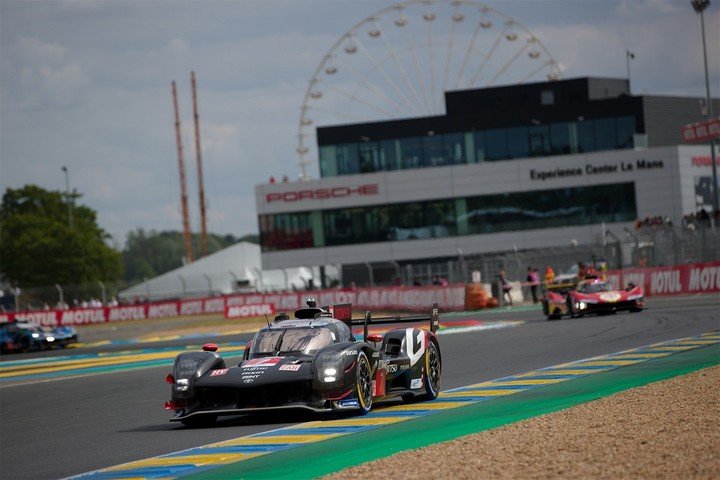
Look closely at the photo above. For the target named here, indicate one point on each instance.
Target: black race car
(310, 362)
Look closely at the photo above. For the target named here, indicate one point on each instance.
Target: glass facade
(450, 217)
(435, 150)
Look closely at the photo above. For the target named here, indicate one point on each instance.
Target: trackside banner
(248, 305)
(679, 279)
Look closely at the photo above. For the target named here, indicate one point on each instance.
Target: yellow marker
(484, 393)
(197, 460)
(353, 422)
(275, 439)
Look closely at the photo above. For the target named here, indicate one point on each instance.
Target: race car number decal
(217, 373)
(261, 362)
(610, 296)
(415, 339)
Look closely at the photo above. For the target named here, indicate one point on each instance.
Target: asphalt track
(68, 426)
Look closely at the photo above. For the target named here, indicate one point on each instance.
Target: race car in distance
(310, 362)
(591, 296)
(24, 336)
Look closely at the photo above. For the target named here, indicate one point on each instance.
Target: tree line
(43, 242)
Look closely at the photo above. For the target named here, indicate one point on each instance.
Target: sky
(87, 85)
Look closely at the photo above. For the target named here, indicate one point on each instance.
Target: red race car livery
(592, 296)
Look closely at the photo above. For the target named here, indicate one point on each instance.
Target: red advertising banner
(701, 131)
(245, 311)
(679, 279)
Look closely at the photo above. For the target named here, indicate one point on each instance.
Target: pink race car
(592, 296)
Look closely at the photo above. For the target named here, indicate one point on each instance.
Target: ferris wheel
(398, 62)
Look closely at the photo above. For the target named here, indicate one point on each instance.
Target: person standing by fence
(533, 279)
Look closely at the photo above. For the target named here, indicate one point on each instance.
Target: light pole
(67, 195)
(700, 6)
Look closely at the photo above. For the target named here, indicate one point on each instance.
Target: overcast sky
(86, 84)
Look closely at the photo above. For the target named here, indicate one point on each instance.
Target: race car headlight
(330, 375)
(581, 305)
(327, 366)
(182, 384)
(35, 335)
(635, 297)
(50, 339)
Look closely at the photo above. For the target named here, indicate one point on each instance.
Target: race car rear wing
(344, 312)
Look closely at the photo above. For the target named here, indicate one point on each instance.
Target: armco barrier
(451, 297)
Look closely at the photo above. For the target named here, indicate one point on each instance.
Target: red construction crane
(183, 187)
(201, 187)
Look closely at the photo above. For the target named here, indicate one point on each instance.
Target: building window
(625, 131)
(517, 140)
(547, 97)
(496, 143)
(445, 218)
(581, 136)
(560, 138)
(412, 152)
(585, 136)
(286, 231)
(605, 134)
(539, 136)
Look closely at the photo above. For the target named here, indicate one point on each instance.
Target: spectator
(549, 274)
(506, 287)
(533, 280)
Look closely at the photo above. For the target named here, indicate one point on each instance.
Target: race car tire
(363, 383)
(433, 371)
(200, 421)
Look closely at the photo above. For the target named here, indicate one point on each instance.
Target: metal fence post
(210, 289)
(103, 292)
(184, 286)
(61, 299)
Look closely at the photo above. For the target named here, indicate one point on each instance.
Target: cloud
(87, 85)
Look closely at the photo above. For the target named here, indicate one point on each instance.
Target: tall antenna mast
(198, 156)
(183, 188)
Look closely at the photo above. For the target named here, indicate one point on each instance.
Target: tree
(148, 254)
(39, 248)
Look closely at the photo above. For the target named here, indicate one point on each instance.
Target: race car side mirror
(374, 337)
(210, 347)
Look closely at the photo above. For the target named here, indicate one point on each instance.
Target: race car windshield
(304, 340)
(595, 288)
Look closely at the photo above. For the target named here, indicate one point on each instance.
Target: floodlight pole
(68, 197)
(700, 6)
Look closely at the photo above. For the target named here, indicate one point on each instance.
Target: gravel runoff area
(668, 429)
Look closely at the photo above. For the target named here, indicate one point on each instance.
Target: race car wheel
(364, 383)
(433, 371)
(199, 421)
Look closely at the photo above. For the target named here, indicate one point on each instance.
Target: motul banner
(679, 279)
(246, 311)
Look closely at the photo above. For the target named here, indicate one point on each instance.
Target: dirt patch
(666, 429)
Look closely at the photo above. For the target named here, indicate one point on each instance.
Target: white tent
(231, 270)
